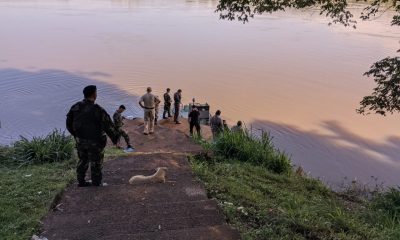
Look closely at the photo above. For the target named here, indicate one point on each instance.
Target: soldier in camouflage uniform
(177, 105)
(167, 104)
(118, 122)
(89, 123)
(156, 109)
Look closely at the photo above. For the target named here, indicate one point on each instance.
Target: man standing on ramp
(148, 103)
(167, 104)
(194, 121)
(89, 123)
(177, 105)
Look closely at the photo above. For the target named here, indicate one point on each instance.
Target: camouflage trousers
(167, 109)
(89, 153)
(122, 133)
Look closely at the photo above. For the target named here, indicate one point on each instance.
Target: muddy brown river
(288, 73)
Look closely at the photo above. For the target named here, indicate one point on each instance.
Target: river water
(288, 73)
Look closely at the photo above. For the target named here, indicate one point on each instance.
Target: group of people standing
(90, 125)
(150, 104)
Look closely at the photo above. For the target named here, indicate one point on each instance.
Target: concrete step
(125, 226)
(114, 213)
(92, 198)
(218, 232)
(149, 162)
(178, 209)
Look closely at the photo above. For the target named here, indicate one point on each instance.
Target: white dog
(159, 176)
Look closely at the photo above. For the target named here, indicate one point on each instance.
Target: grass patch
(267, 202)
(55, 147)
(246, 148)
(32, 173)
(27, 193)
(264, 205)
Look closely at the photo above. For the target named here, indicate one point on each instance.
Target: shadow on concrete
(338, 155)
(32, 103)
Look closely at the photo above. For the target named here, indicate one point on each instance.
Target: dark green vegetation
(265, 205)
(32, 174)
(245, 148)
(55, 147)
(386, 72)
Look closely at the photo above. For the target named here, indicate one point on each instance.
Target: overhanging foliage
(386, 72)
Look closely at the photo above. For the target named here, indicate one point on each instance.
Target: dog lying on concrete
(159, 176)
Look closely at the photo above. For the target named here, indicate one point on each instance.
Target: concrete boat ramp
(177, 209)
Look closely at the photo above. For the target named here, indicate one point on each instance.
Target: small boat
(203, 108)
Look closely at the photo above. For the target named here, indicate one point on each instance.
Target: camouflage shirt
(177, 98)
(87, 120)
(216, 124)
(237, 129)
(118, 119)
(167, 98)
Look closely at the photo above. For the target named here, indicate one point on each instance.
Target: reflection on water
(287, 72)
(35, 102)
(339, 154)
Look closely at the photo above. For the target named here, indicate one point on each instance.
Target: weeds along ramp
(177, 209)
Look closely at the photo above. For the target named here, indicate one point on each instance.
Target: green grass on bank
(32, 174)
(26, 196)
(262, 204)
(246, 148)
(55, 147)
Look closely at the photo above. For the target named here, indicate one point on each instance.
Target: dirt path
(177, 209)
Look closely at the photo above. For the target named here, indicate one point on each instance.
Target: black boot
(84, 184)
(96, 184)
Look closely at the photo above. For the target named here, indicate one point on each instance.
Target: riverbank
(27, 194)
(263, 203)
(258, 192)
(38, 186)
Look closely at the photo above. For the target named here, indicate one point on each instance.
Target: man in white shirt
(148, 103)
